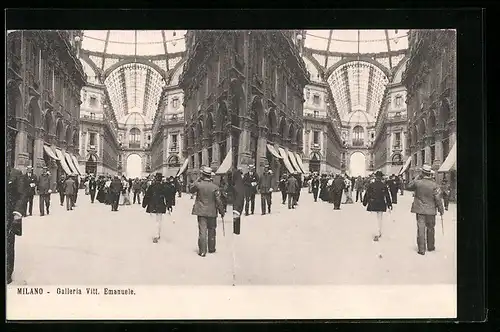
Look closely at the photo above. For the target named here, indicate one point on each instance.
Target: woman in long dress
(377, 199)
(155, 201)
(125, 194)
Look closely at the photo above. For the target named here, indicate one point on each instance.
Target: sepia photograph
(260, 162)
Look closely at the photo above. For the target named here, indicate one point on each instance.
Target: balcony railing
(134, 145)
(358, 142)
(174, 147)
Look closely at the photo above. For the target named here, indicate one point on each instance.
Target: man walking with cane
(426, 200)
(207, 203)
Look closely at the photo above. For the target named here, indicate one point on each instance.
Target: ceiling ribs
(123, 90)
(135, 69)
(165, 47)
(147, 91)
(369, 93)
(328, 47)
(105, 49)
(347, 90)
(388, 47)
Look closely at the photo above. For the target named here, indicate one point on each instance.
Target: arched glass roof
(357, 41)
(134, 42)
(358, 85)
(134, 86)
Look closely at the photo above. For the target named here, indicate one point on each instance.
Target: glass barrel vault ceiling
(357, 85)
(134, 85)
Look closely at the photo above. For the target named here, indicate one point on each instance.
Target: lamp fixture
(77, 39)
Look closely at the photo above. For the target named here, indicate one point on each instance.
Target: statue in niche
(308, 93)
(399, 100)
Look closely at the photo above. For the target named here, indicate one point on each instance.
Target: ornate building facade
(99, 136)
(322, 142)
(430, 81)
(44, 79)
(389, 145)
(244, 95)
(168, 128)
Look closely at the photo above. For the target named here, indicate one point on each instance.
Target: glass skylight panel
(317, 39)
(176, 45)
(88, 43)
(122, 36)
(352, 76)
(150, 48)
(173, 61)
(149, 36)
(108, 62)
(121, 48)
(320, 58)
(344, 46)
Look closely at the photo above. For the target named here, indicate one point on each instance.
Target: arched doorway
(134, 166)
(357, 164)
(91, 165)
(314, 163)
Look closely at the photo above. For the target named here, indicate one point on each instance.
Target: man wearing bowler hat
(30, 182)
(44, 190)
(426, 200)
(251, 180)
(208, 202)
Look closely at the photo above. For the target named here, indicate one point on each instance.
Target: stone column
(427, 149)
(438, 153)
(244, 155)
(204, 151)
(216, 154)
(261, 161)
(419, 158)
(307, 142)
(452, 131)
(38, 161)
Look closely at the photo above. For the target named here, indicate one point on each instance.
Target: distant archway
(357, 164)
(134, 166)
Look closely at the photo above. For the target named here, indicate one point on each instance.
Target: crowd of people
(376, 192)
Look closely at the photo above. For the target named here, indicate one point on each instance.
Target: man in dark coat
(426, 201)
(238, 199)
(44, 190)
(136, 188)
(115, 188)
(359, 185)
(282, 187)
(77, 184)
(60, 188)
(92, 187)
(315, 186)
(377, 199)
(16, 191)
(291, 189)
(266, 190)
(206, 207)
(393, 185)
(299, 187)
(338, 187)
(69, 191)
(445, 193)
(251, 180)
(156, 201)
(30, 181)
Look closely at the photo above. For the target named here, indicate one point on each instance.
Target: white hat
(427, 169)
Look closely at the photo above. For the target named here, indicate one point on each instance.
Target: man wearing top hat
(315, 186)
(251, 180)
(207, 204)
(44, 190)
(266, 189)
(30, 181)
(15, 203)
(426, 201)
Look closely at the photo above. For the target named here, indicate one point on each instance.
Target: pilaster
(261, 150)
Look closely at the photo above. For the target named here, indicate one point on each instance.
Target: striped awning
(273, 151)
(294, 161)
(69, 161)
(184, 167)
(75, 162)
(299, 162)
(405, 166)
(449, 162)
(226, 164)
(286, 160)
(63, 162)
(50, 152)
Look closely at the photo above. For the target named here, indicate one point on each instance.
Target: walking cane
(223, 227)
(442, 224)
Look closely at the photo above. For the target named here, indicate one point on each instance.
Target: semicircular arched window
(134, 140)
(358, 134)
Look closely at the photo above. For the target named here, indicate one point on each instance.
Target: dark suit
(15, 203)
(250, 190)
(115, 189)
(393, 188)
(265, 184)
(291, 189)
(206, 206)
(338, 187)
(315, 188)
(60, 189)
(426, 201)
(30, 181)
(282, 186)
(238, 200)
(92, 189)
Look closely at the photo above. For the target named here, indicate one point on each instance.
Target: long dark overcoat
(377, 197)
(157, 198)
